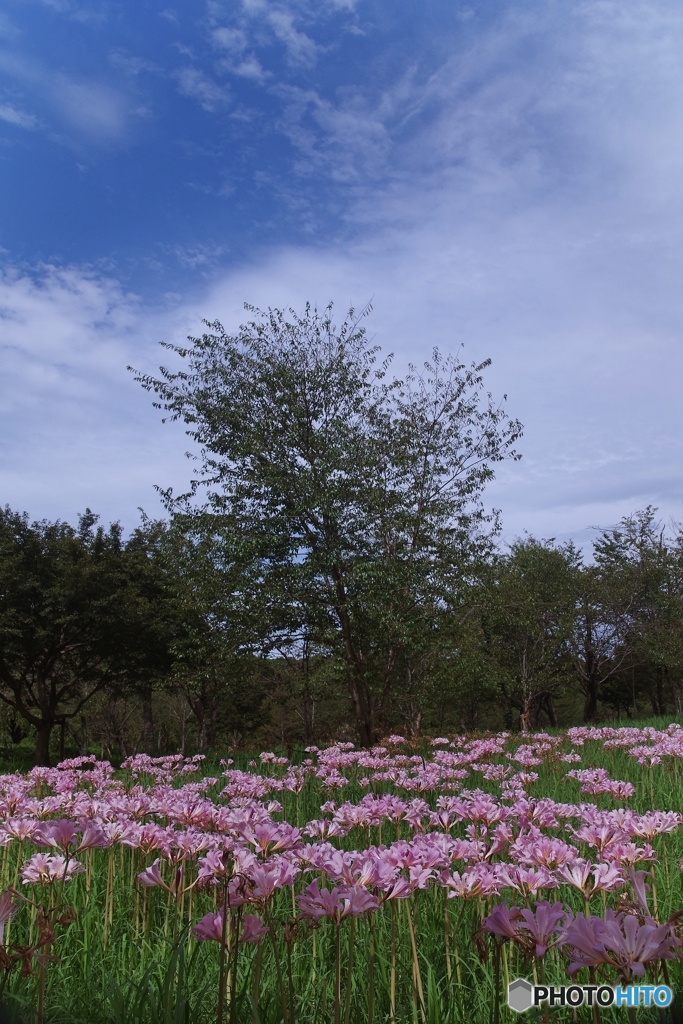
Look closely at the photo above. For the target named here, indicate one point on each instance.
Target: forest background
(331, 572)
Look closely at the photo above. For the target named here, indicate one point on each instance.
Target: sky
(503, 179)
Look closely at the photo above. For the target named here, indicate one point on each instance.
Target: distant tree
(357, 497)
(613, 606)
(528, 616)
(642, 567)
(78, 613)
(216, 648)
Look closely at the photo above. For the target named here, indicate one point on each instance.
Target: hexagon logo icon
(520, 995)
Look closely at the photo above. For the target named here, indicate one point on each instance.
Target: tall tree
(359, 497)
(643, 563)
(79, 611)
(612, 606)
(528, 618)
(221, 619)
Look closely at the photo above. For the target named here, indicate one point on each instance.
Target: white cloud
(281, 18)
(194, 83)
(533, 211)
(301, 49)
(73, 430)
(96, 110)
(250, 67)
(18, 117)
(345, 140)
(234, 40)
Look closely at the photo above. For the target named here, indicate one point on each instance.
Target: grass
(130, 957)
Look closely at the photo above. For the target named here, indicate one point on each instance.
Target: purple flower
(8, 906)
(342, 901)
(61, 833)
(620, 941)
(151, 876)
(533, 930)
(209, 928)
(502, 922)
(542, 924)
(253, 929)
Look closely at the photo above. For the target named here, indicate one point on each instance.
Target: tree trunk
(307, 714)
(589, 681)
(549, 705)
(83, 737)
(413, 717)
(360, 695)
(661, 702)
(183, 718)
(43, 733)
(15, 729)
(212, 726)
(590, 704)
(199, 712)
(362, 706)
(147, 720)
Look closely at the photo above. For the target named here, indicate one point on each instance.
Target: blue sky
(505, 176)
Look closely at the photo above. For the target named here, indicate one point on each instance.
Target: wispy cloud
(301, 49)
(72, 431)
(259, 25)
(196, 84)
(515, 188)
(18, 117)
(94, 109)
(347, 139)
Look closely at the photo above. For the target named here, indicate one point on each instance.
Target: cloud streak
(11, 115)
(517, 192)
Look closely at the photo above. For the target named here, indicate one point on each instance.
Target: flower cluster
(465, 818)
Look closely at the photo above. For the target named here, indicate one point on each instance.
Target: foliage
(351, 501)
(81, 612)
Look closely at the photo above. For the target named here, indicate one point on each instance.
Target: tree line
(331, 570)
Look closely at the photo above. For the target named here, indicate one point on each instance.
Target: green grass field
(129, 955)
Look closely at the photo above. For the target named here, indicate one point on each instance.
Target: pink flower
(93, 838)
(607, 877)
(502, 921)
(533, 930)
(479, 880)
(317, 903)
(337, 904)
(151, 876)
(577, 873)
(267, 880)
(358, 901)
(253, 929)
(545, 921)
(527, 881)
(399, 889)
(8, 907)
(61, 833)
(620, 941)
(43, 868)
(209, 928)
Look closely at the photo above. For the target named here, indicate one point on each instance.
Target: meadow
(402, 883)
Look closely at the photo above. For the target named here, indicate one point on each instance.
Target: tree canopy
(355, 497)
(332, 570)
